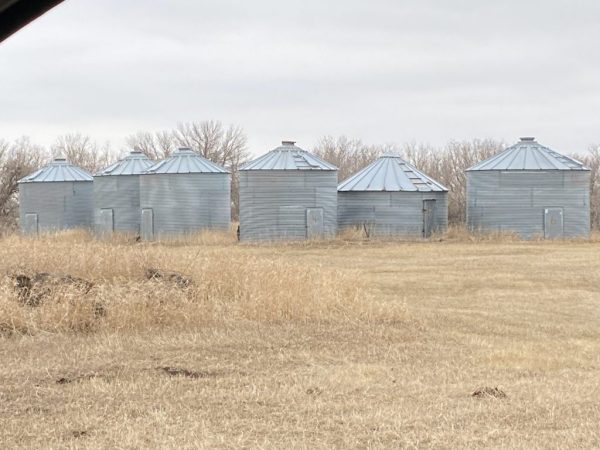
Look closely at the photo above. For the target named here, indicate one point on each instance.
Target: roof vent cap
(527, 139)
(288, 142)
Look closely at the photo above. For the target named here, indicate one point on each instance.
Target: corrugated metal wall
(391, 213)
(122, 195)
(273, 203)
(184, 203)
(59, 205)
(515, 201)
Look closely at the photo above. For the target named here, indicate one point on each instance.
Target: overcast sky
(380, 70)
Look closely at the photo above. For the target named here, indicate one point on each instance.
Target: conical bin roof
(133, 164)
(185, 160)
(288, 157)
(58, 170)
(528, 154)
(390, 173)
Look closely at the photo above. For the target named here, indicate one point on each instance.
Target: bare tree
(155, 146)
(348, 155)
(16, 161)
(234, 154)
(80, 150)
(454, 159)
(211, 140)
(592, 161)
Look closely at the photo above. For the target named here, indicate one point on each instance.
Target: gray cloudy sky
(379, 70)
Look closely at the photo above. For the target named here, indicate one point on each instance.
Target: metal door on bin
(428, 213)
(31, 223)
(106, 221)
(147, 225)
(553, 223)
(314, 222)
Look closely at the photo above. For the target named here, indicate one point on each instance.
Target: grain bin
(391, 197)
(117, 195)
(288, 193)
(182, 194)
(530, 190)
(56, 197)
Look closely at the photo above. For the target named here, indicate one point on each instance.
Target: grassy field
(340, 344)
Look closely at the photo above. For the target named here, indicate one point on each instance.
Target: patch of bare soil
(180, 372)
(78, 378)
(314, 391)
(487, 392)
(79, 433)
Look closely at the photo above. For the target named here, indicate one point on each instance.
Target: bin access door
(314, 222)
(106, 223)
(147, 225)
(31, 224)
(553, 223)
(428, 214)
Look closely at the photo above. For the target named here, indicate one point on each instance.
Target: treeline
(227, 145)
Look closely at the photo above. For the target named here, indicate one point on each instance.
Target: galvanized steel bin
(59, 196)
(182, 194)
(288, 194)
(390, 197)
(530, 190)
(117, 195)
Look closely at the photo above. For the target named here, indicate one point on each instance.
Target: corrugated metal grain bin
(117, 195)
(288, 193)
(182, 194)
(59, 196)
(530, 190)
(390, 197)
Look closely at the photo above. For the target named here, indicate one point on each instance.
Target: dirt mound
(486, 392)
(32, 289)
(165, 275)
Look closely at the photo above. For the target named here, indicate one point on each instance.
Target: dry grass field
(338, 344)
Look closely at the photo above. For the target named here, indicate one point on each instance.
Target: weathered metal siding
(391, 213)
(184, 203)
(273, 203)
(122, 195)
(515, 201)
(59, 205)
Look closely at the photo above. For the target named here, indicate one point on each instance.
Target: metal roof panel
(288, 157)
(390, 173)
(58, 170)
(528, 155)
(133, 164)
(185, 160)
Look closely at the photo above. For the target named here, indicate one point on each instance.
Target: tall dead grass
(227, 286)
(461, 233)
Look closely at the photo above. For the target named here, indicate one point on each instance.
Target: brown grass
(228, 285)
(339, 344)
